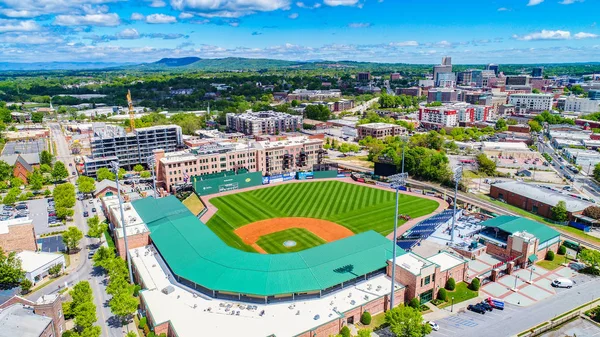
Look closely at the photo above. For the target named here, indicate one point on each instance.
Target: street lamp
(115, 167)
(151, 164)
(516, 279)
(396, 181)
(531, 273)
(457, 177)
(452, 307)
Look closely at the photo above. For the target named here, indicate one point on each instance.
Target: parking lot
(24, 146)
(465, 321)
(51, 244)
(38, 212)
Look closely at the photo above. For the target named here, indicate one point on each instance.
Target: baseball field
(294, 217)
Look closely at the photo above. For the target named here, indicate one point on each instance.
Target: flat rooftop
(412, 262)
(520, 146)
(18, 320)
(184, 308)
(446, 260)
(379, 125)
(31, 261)
(515, 224)
(544, 194)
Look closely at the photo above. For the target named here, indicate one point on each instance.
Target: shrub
(151, 334)
(345, 332)
(550, 255)
(442, 295)
(590, 270)
(143, 323)
(365, 318)
(146, 330)
(136, 291)
(562, 250)
(450, 284)
(475, 284)
(414, 303)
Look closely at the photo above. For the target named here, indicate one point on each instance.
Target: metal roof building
(544, 195)
(514, 224)
(201, 260)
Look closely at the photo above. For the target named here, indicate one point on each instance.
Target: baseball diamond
(355, 207)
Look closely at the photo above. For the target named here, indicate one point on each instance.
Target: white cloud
(359, 25)
(293, 16)
(340, 2)
(303, 5)
(184, 15)
(157, 3)
(404, 44)
(503, 9)
(27, 39)
(229, 8)
(106, 19)
(584, 35)
(137, 16)
(18, 26)
(534, 2)
(34, 8)
(129, 33)
(569, 2)
(160, 18)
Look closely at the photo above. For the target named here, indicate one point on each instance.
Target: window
(59, 313)
(427, 280)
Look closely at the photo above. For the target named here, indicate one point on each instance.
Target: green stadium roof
(195, 253)
(513, 224)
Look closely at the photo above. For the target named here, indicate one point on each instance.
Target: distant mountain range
(41, 66)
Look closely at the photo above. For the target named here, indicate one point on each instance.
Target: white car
(433, 325)
(562, 282)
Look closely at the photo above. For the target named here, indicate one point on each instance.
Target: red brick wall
(133, 241)
(521, 202)
(20, 172)
(542, 253)
(18, 238)
(49, 310)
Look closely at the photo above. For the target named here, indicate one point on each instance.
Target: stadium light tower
(457, 177)
(396, 181)
(115, 167)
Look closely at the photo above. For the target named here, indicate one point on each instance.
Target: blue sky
(410, 31)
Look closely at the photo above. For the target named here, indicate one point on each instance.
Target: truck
(495, 303)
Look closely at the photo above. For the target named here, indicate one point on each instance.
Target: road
(516, 319)
(364, 106)
(85, 271)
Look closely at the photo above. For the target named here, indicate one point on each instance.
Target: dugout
(225, 181)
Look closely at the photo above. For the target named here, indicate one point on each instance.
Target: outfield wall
(226, 183)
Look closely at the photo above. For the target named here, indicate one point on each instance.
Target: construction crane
(131, 112)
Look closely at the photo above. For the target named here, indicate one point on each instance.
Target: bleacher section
(424, 229)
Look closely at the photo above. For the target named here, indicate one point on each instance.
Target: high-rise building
(493, 67)
(113, 143)
(517, 80)
(531, 102)
(263, 122)
(447, 60)
(444, 95)
(537, 72)
(362, 77)
(445, 67)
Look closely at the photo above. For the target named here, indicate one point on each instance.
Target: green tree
(365, 318)
(16, 182)
(71, 238)
(103, 256)
(138, 168)
(36, 180)
(597, 172)
(70, 333)
(559, 212)
(501, 125)
(407, 322)
(550, 255)
(6, 171)
(450, 284)
(25, 286)
(37, 117)
(123, 304)
(63, 212)
(11, 196)
(364, 333)
(59, 172)
(486, 165)
(64, 195)
(590, 256)
(86, 184)
(535, 126)
(45, 168)
(562, 250)
(55, 270)
(92, 331)
(85, 315)
(414, 303)
(475, 284)
(96, 228)
(131, 334)
(317, 112)
(345, 331)
(81, 293)
(104, 173)
(145, 174)
(46, 158)
(442, 295)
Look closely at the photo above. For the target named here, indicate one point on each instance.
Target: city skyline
(523, 31)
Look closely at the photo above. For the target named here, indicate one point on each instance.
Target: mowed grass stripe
(225, 231)
(273, 243)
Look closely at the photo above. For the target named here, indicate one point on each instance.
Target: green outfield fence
(225, 181)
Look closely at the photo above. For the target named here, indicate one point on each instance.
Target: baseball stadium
(317, 249)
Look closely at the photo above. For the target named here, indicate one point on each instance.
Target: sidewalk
(438, 314)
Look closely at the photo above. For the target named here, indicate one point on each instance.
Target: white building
(263, 122)
(438, 116)
(36, 264)
(531, 102)
(578, 104)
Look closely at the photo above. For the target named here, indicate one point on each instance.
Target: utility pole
(397, 181)
(115, 167)
(152, 164)
(457, 177)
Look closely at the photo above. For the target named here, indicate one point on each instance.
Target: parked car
(433, 325)
(21, 207)
(486, 306)
(476, 308)
(20, 215)
(86, 214)
(577, 266)
(562, 282)
(53, 213)
(94, 209)
(496, 303)
(8, 208)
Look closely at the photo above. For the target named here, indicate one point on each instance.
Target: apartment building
(273, 157)
(380, 130)
(313, 95)
(578, 104)
(444, 95)
(412, 91)
(531, 102)
(113, 143)
(365, 76)
(517, 80)
(438, 117)
(263, 122)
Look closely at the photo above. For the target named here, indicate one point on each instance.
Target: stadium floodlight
(151, 163)
(457, 177)
(115, 167)
(396, 182)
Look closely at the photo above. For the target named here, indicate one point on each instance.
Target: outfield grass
(359, 208)
(273, 243)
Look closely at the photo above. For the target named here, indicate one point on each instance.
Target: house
(22, 169)
(24, 318)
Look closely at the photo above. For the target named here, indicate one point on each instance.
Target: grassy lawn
(359, 208)
(67, 259)
(273, 243)
(109, 240)
(376, 321)
(551, 265)
(461, 293)
(194, 204)
(570, 230)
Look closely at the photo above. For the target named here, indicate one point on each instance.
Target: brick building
(537, 199)
(380, 130)
(521, 128)
(25, 318)
(17, 235)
